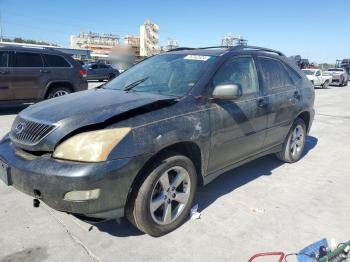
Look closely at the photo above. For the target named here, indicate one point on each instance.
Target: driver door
(239, 126)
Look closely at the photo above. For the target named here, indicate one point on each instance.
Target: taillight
(82, 72)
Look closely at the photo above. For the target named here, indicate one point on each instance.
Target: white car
(339, 76)
(318, 78)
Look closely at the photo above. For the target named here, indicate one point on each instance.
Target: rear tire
(57, 92)
(163, 199)
(325, 84)
(111, 76)
(294, 143)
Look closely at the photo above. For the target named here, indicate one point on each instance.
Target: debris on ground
(194, 212)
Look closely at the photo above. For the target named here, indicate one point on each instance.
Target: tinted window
(28, 60)
(104, 66)
(55, 61)
(3, 59)
(238, 71)
(294, 75)
(274, 73)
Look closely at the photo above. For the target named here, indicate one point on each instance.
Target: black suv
(141, 144)
(32, 74)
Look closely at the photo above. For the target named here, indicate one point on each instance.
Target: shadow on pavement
(207, 195)
(12, 109)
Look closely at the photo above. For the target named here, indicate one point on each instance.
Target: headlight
(93, 146)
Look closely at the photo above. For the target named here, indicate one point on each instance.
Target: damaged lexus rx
(141, 144)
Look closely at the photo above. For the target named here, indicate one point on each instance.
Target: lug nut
(174, 195)
(168, 201)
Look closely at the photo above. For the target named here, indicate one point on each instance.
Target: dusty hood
(77, 110)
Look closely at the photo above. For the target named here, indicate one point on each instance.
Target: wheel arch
(306, 117)
(188, 149)
(54, 84)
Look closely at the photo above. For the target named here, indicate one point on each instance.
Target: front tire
(57, 92)
(294, 143)
(165, 196)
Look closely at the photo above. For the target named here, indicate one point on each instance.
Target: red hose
(281, 254)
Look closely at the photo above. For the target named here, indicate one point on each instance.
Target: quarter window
(28, 60)
(274, 73)
(238, 71)
(55, 61)
(3, 59)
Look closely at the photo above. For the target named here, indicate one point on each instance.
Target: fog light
(82, 195)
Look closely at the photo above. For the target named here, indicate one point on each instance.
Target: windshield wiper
(134, 84)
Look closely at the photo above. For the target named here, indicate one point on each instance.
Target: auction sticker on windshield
(197, 57)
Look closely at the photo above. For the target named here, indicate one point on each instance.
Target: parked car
(317, 78)
(339, 76)
(100, 71)
(346, 64)
(141, 144)
(34, 74)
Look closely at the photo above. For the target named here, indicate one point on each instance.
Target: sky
(313, 29)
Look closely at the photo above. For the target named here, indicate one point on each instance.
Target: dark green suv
(141, 144)
(33, 74)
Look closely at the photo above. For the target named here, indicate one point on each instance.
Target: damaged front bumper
(50, 180)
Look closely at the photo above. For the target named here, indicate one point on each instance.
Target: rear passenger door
(238, 126)
(5, 80)
(26, 75)
(280, 89)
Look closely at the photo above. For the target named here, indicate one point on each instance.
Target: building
(230, 40)
(99, 44)
(77, 53)
(149, 39)
(170, 45)
(133, 42)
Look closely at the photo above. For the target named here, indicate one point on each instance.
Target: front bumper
(54, 178)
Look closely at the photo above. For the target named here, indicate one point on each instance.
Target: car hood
(310, 77)
(68, 113)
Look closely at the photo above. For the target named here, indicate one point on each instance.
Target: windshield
(309, 72)
(169, 74)
(335, 70)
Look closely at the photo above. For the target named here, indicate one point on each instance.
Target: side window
(94, 66)
(241, 71)
(55, 61)
(28, 60)
(274, 73)
(103, 66)
(294, 75)
(4, 59)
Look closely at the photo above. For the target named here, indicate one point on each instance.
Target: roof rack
(196, 48)
(232, 48)
(243, 47)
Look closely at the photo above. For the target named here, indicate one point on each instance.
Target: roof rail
(242, 47)
(196, 48)
(181, 48)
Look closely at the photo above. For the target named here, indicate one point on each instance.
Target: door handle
(44, 71)
(297, 95)
(262, 102)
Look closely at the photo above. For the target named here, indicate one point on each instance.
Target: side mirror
(227, 91)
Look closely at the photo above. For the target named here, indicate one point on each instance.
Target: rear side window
(274, 73)
(28, 60)
(294, 75)
(55, 61)
(3, 59)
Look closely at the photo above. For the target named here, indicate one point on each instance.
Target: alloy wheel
(297, 141)
(59, 93)
(170, 195)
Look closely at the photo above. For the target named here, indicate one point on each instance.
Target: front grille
(29, 132)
